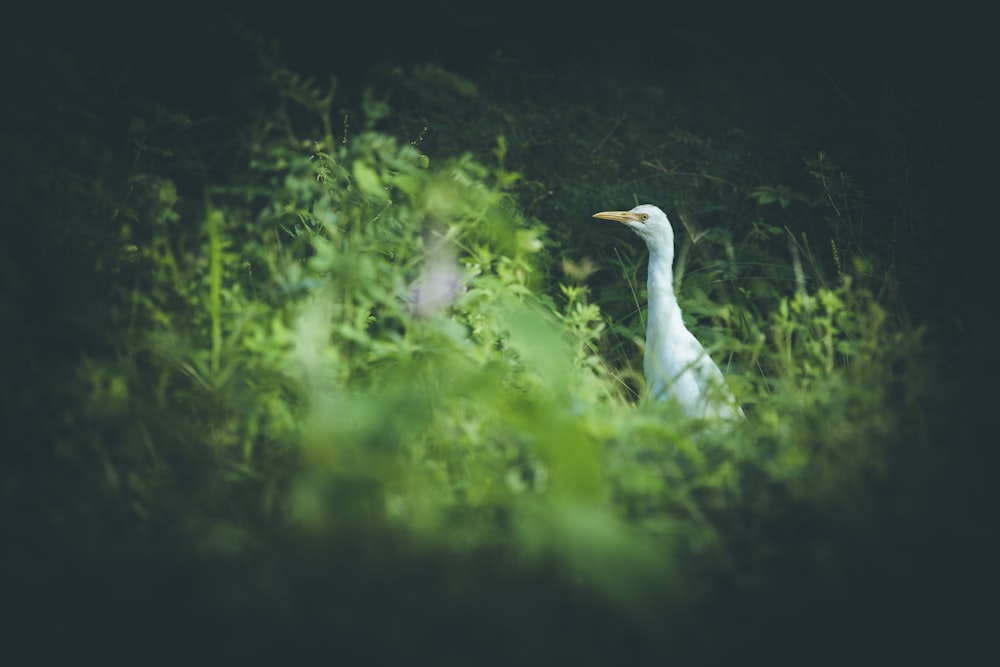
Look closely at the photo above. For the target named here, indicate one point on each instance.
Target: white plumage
(676, 366)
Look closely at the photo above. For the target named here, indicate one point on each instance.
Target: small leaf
(368, 181)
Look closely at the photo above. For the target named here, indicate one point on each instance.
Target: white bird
(675, 364)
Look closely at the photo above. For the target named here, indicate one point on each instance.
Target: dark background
(942, 59)
(927, 51)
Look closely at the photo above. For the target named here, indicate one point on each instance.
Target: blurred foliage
(397, 326)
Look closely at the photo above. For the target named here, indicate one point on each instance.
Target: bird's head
(649, 222)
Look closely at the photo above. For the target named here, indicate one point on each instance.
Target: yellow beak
(623, 217)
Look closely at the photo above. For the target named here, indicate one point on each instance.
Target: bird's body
(675, 364)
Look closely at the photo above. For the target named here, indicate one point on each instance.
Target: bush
(328, 337)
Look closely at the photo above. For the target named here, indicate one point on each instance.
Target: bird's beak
(624, 217)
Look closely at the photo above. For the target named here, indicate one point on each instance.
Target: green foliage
(349, 333)
(284, 335)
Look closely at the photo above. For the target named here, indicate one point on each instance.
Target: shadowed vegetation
(325, 367)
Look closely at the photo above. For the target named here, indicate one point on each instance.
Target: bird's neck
(662, 303)
(660, 277)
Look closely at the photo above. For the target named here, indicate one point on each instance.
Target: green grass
(227, 376)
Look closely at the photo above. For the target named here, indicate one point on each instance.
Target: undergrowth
(401, 322)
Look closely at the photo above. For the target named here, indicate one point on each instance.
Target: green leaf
(368, 181)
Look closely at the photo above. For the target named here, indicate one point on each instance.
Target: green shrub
(332, 333)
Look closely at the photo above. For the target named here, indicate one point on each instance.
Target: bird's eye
(644, 216)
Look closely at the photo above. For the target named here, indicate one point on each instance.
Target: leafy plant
(328, 326)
